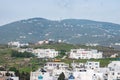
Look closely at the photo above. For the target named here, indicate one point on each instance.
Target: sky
(99, 10)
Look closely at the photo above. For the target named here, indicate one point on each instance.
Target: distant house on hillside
(17, 44)
(45, 53)
(85, 54)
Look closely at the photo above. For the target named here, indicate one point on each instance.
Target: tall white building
(45, 53)
(85, 54)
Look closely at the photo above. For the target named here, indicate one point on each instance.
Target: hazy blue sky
(100, 10)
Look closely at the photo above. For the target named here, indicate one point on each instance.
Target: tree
(62, 52)
(61, 76)
(20, 54)
(24, 76)
(12, 69)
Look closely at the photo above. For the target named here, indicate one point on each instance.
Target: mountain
(77, 31)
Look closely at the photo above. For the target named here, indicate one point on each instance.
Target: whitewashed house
(81, 71)
(48, 75)
(38, 75)
(114, 70)
(89, 65)
(87, 75)
(85, 54)
(56, 65)
(92, 65)
(17, 44)
(86, 71)
(51, 71)
(11, 75)
(45, 53)
(26, 50)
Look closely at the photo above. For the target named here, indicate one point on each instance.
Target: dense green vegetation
(57, 46)
(22, 75)
(61, 76)
(22, 55)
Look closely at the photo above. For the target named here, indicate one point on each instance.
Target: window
(90, 63)
(61, 64)
(110, 68)
(113, 73)
(96, 63)
(54, 64)
(118, 73)
(50, 64)
(74, 51)
(90, 67)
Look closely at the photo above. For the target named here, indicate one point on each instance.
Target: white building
(51, 71)
(56, 65)
(114, 70)
(89, 65)
(49, 75)
(82, 71)
(87, 75)
(53, 74)
(26, 50)
(87, 71)
(17, 44)
(78, 65)
(40, 76)
(92, 65)
(114, 55)
(45, 53)
(85, 54)
(11, 75)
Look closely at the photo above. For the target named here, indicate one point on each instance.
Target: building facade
(85, 54)
(114, 70)
(45, 53)
(8, 75)
(55, 65)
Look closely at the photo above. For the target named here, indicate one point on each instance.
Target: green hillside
(76, 31)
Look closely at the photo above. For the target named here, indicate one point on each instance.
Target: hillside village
(74, 63)
(78, 71)
(59, 39)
